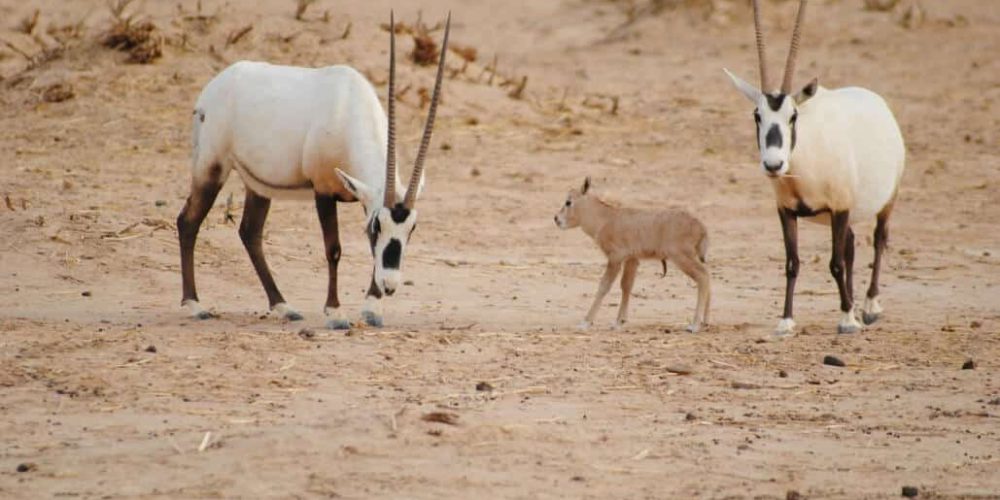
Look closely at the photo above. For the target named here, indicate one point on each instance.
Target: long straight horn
(390, 154)
(765, 85)
(786, 84)
(418, 165)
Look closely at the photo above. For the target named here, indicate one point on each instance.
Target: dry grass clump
(141, 40)
(425, 49)
(58, 92)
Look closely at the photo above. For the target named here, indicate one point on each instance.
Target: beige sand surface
(89, 268)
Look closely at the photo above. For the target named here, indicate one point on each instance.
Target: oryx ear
(586, 185)
(359, 189)
(748, 90)
(807, 92)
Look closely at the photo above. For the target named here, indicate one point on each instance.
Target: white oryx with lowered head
(293, 132)
(834, 157)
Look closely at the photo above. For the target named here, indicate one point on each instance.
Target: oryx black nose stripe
(773, 138)
(391, 254)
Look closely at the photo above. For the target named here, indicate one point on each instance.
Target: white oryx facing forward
(834, 157)
(294, 132)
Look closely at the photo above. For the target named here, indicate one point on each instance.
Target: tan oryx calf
(627, 235)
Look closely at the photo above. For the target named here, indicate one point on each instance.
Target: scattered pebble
(833, 361)
(969, 365)
(151, 348)
(161, 203)
(484, 386)
(408, 283)
(783, 374)
(86, 293)
(793, 495)
(678, 369)
(690, 417)
(441, 417)
(975, 324)
(307, 333)
(578, 479)
(744, 385)
(910, 491)
(27, 467)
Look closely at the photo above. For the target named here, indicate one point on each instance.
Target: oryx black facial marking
(773, 138)
(374, 228)
(774, 101)
(399, 213)
(392, 254)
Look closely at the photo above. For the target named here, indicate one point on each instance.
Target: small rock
(151, 348)
(161, 203)
(743, 385)
(910, 491)
(793, 495)
(484, 387)
(578, 479)
(86, 293)
(58, 92)
(969, 365)
(441, 417)
(975, 324)
(833, 361)
(690, 417)
(408, 283)
(783, 374)
(678, 369)
(27, 467)
(307, 333)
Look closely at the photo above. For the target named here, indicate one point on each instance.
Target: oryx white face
(389, 231)
(776, 117)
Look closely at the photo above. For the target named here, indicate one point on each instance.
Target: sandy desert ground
(107, 390)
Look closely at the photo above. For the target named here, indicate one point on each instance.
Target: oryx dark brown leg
(790, 232)
(839, 222)
(849, 264)
(872, 308)
(255, 209)
(372, 311)
(326, 208)
(189, 221)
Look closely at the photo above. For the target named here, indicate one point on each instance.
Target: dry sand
(89, 269)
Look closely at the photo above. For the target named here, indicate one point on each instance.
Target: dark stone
(833, 361)
(86, 293)
(969, 365)
(782, 374)
(793, 495)
(151, 348)
(910, 491)
(484, 386)
(26, 467)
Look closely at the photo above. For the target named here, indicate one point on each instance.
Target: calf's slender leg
(610, 273)
(790, 233)
(203, 193)
(628, 280)
(255, 210)
(695, 269)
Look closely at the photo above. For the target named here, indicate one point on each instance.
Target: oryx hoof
(870, 318)
(372, 319)
(286, 312)
(196, 311)
(583, 326)
(847, 329)
(786, 328)
(338, 324)
(693, 328)
(848, 324)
